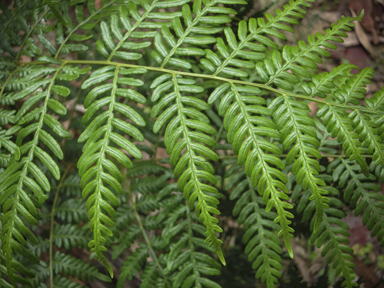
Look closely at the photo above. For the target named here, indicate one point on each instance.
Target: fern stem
(29, 34)
(157, 143)
(52, 223)
(285, 155)
(145, 235)
(219, 133)
(196, 75)
(137, 23)
(98, 11)
(13, 16)
(190, 243)
(6, 81)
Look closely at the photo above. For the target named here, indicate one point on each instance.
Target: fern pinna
(150, 78)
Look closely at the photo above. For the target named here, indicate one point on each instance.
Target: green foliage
(221, 98)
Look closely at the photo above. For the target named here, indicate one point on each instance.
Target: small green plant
(228, 105)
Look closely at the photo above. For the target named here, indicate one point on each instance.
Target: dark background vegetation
(364, 48)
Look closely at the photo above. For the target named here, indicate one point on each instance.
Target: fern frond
(145, 168)
(333, 234)
(70, 236)
(150, 184)
(185, 263)
(323, 84)
(6, 117)
(246, 131)
(125, 240)
(366, 128)
(14, 24)
(305, 56)
(71, 186)
(199, 30)
(194, 49)
(358, 193)
(132, 265)
(17, 268)
(354, 88)
(237, 54)
(82, 23)
(186, 166)
(94, 163)
(16, 182)
(41, 247)
(108, 49)
(4, 159)
(62, 282)
(262, 245)
(338, 124)
(71, 266)
(149, 275)
(298, 134)
(7, 143)
(71, 210)
(377, 101)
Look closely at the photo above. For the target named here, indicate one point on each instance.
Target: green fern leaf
(248, 141)
(15, 180)
(186, 165)
(357, 193)
(299, 136)
(95, 150)
(263, 246)
(230, 55)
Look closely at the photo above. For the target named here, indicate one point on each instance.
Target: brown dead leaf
(362, 36)
(369, 277)
(368, 22)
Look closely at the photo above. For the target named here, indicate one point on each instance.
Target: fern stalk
(222, 79)
(6, 81)
(63, 177)
(98, 11)
(191, 246)
(13, 16)
(145, 234)
(29, 34)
